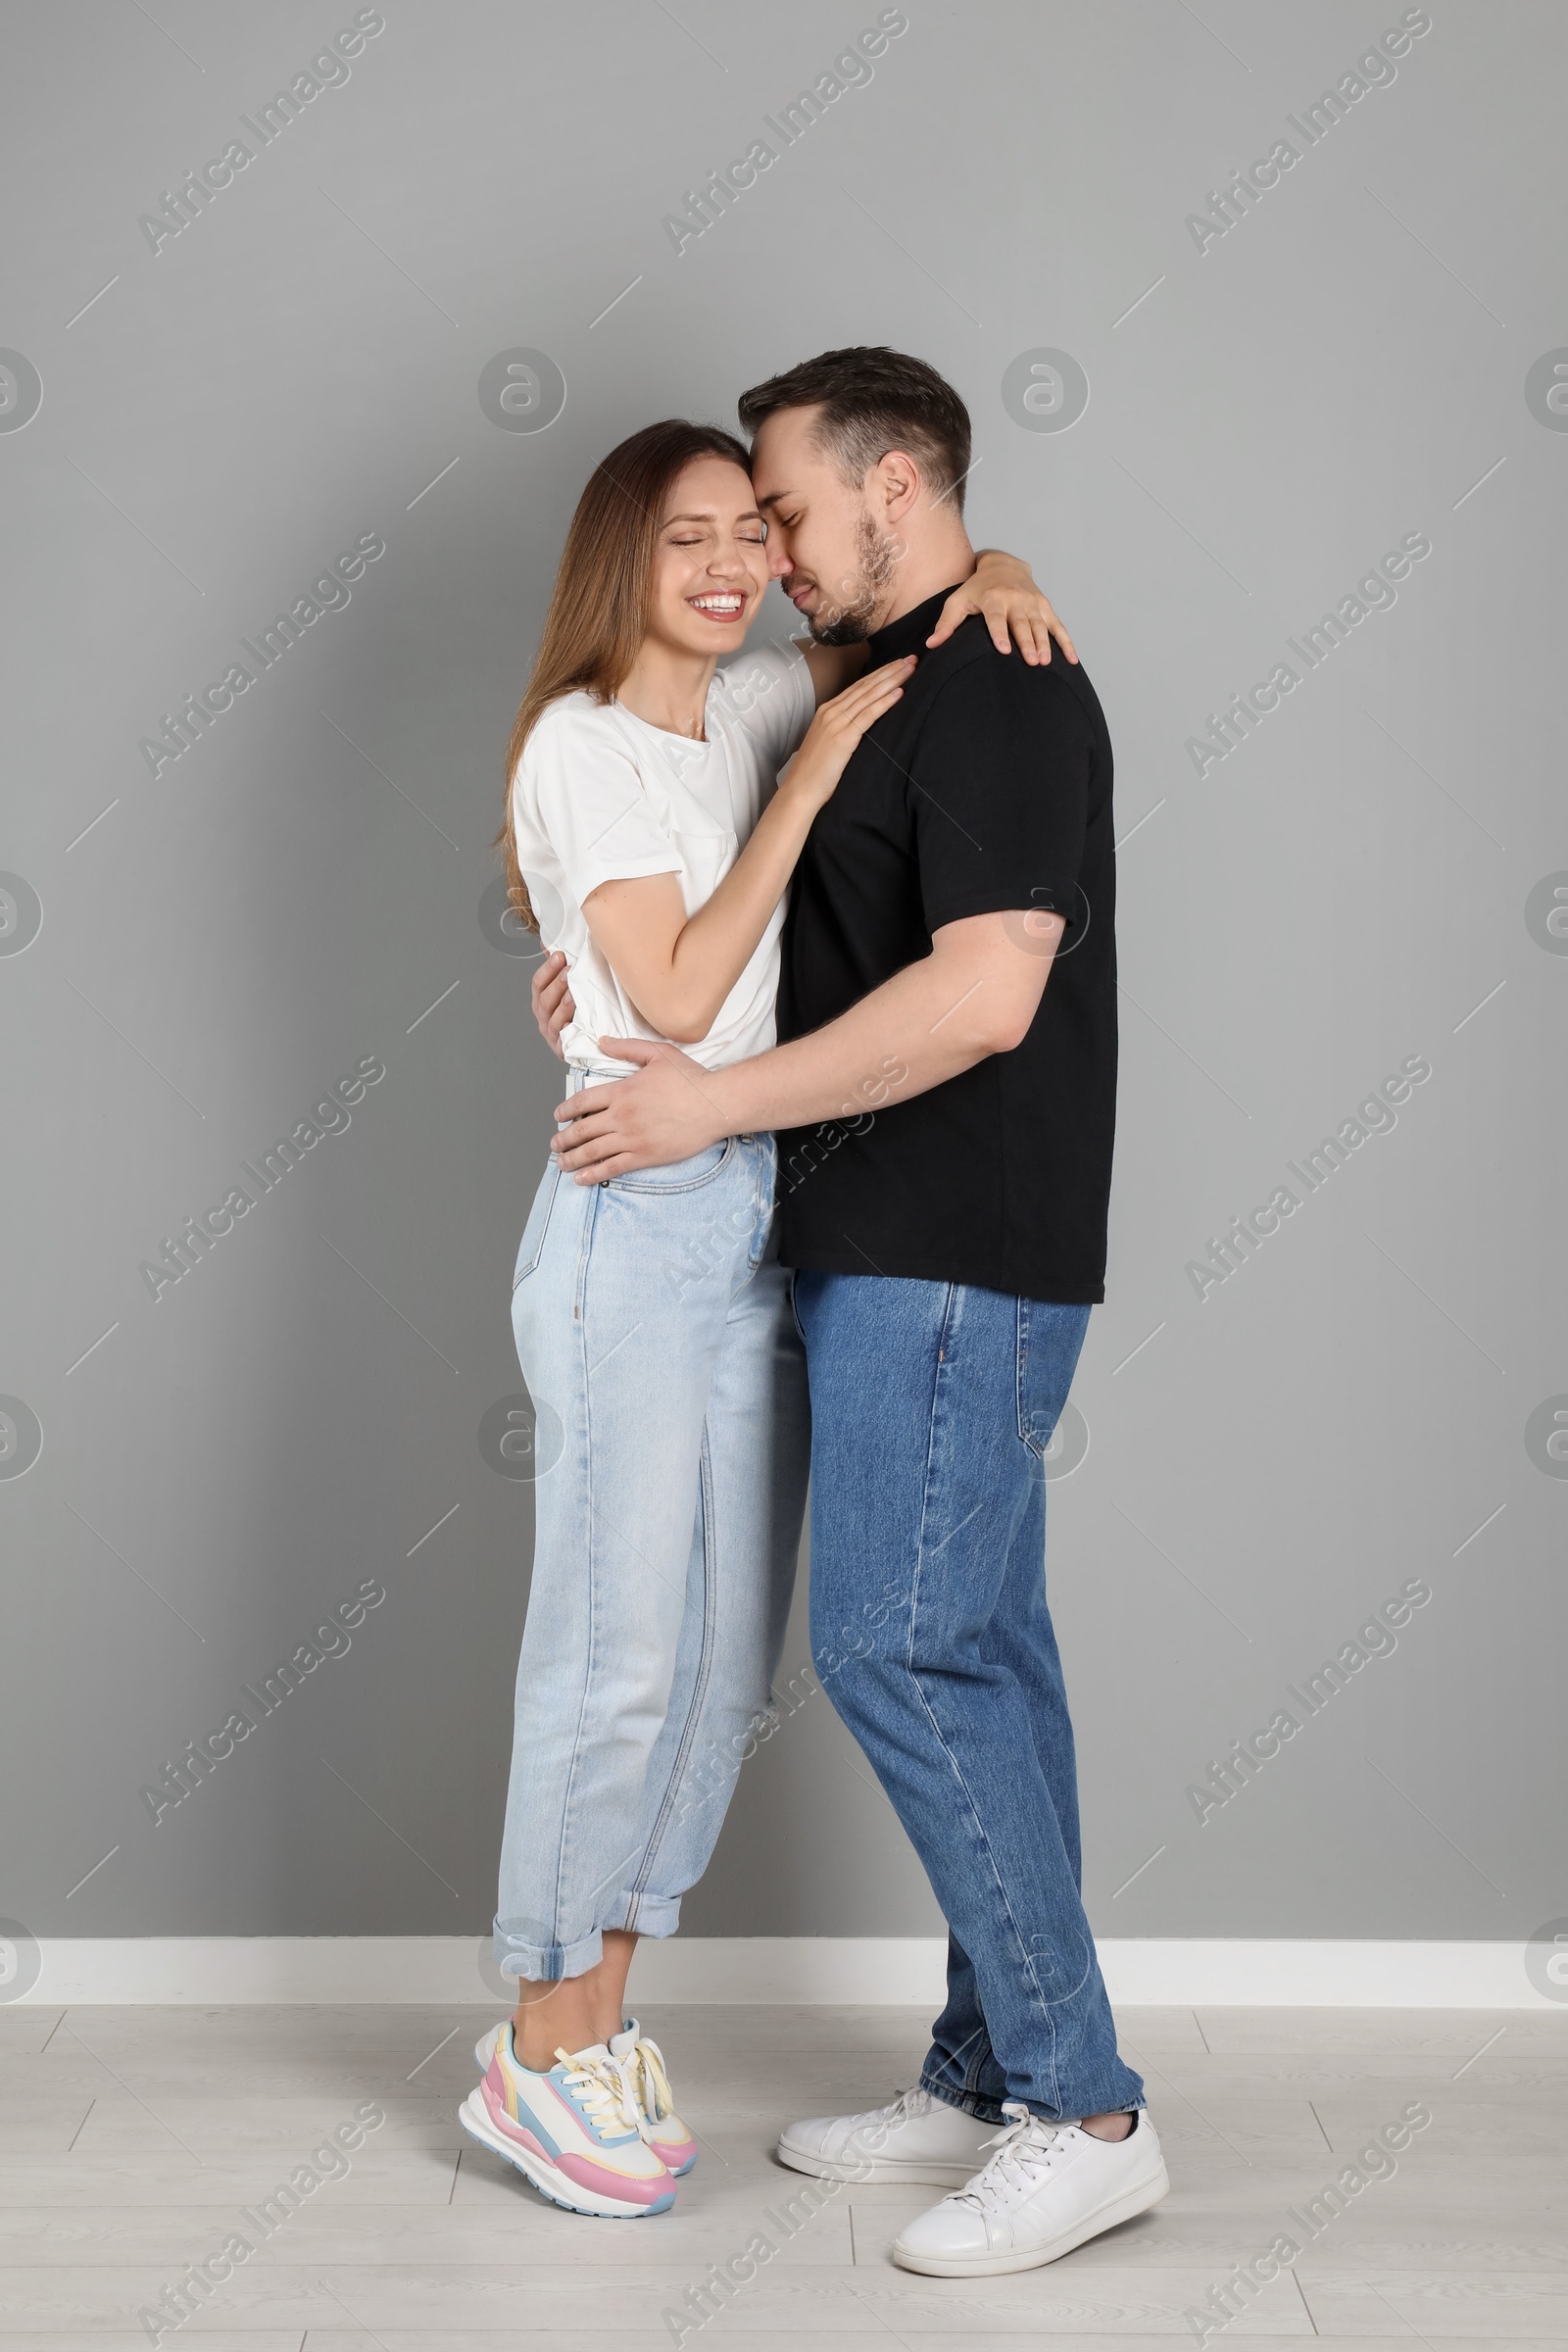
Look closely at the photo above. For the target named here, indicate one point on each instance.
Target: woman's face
(711, 565)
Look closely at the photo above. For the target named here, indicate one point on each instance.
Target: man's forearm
(975, 993)
(926, 1024)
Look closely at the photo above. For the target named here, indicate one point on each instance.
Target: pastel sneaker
(1046, 2189)
(573, 2132)
(642, 2062)
(915, 2137)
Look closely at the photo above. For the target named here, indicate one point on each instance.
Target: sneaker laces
(643, 2071)
(602, 2090)
(1025, 2149)
(882, 2121)
(911, 2102)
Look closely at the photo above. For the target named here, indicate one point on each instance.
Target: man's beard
(851, 620)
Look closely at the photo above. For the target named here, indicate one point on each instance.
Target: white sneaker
(916, 2137)
(1047, 2188)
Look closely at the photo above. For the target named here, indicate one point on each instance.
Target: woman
(646, 841)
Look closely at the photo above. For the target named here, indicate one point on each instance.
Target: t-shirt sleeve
(999, 794)
(583, 792)
(769, 697)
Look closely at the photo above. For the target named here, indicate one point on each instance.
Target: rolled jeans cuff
(984, 2111)
(987, 2111)
(546, 1963)
(649, 1915)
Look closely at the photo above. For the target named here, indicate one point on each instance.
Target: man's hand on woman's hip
(664, 1113)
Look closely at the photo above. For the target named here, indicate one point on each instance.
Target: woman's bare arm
(677, 968)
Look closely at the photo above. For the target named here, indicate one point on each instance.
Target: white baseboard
(216, 1970)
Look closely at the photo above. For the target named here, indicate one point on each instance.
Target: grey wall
(1368, 877)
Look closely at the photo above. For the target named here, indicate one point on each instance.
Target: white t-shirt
(600, 796)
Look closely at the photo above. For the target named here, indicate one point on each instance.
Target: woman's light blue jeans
(653, 1327)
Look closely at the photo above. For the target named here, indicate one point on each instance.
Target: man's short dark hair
(873, 399)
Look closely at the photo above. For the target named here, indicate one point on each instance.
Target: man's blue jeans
(932, 1405)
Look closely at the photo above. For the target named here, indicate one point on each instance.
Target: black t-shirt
(987, 788)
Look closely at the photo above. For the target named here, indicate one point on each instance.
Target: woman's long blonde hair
(599, 608)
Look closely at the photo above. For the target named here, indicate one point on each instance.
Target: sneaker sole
(544, 2176)
(930, 2173)
(1125, 2208)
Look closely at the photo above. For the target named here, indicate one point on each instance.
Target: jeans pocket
(681, 1175)
(1050, 1340)
(531, 1247)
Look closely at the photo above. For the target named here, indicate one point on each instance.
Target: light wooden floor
(130, 2139)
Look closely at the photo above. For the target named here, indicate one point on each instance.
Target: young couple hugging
(832, 969)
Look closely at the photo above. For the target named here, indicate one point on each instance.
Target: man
(945, 1092)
